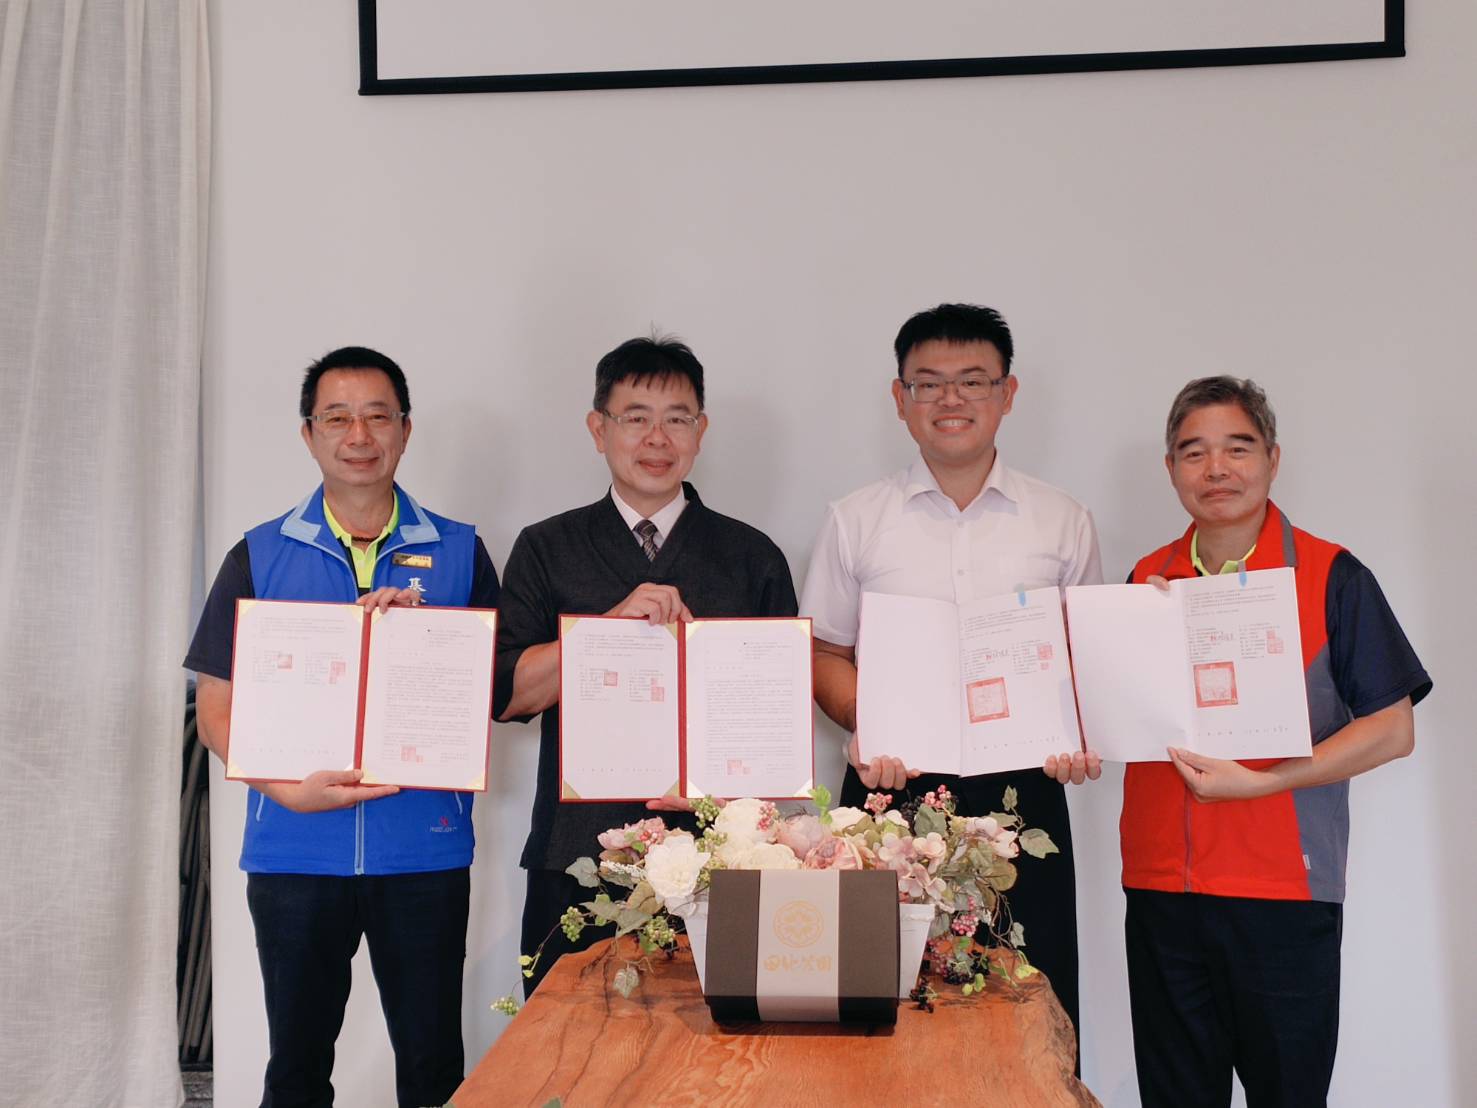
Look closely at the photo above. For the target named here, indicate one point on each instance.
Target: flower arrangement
(647, 874)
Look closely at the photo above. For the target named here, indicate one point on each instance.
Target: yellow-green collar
(1228, 567)
(363, 559)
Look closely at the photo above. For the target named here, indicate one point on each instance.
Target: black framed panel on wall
(437, 46)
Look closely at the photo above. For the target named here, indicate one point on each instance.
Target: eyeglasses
(930, 390)
(337, 422)
(639, 424)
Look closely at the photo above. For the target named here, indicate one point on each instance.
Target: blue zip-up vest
(297, 557)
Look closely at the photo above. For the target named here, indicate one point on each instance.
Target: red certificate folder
(712, 707)
(404, 695)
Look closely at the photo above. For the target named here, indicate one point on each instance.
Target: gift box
(804, 945)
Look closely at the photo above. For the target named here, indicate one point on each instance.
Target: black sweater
(586, 561)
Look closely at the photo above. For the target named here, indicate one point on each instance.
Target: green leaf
(928, 820)
(586, 872)
(630, 919)
(1037, 843)
(644, 899)
(822, 798)
(1005, 819)
(604, 909)
(626, 980)
(1025, 970)
(1011, 798)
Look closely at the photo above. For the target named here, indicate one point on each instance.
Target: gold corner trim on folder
(566, 624)
(566, 791)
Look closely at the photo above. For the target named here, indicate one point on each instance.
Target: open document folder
(1215, 666)
(967, 689)
(405, 694)
(713, 707)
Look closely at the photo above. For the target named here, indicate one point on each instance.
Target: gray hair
(1206, 391)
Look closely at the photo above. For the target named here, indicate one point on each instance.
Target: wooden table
(580, 1041)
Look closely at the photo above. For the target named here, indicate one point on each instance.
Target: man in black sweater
(648, 549)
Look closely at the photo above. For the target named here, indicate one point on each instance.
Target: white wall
(1309, 225)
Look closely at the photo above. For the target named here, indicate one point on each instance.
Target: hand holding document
(712, 707)
(1215, 666)
(966, 689)
(404, 694)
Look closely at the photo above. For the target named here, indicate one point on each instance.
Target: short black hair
(958, 324)
(657, 359)
(352, 357)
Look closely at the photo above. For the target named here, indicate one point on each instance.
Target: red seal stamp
(987, 700)
(1215, 684)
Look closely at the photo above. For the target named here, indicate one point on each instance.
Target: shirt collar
(1227, 567)
(344, 537)
(921, 480)
(665, 518)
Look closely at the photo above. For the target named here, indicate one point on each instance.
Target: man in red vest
(1234, 871)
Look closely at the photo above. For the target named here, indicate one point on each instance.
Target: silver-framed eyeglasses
(972, 386)
(337, 421)
(638, 424)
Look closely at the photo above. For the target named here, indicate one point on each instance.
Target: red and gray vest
(1292, 845)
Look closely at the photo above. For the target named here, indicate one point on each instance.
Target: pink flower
(918, 885)
(648, 831)
(834, 853)
(802, 834)
(877, 803)
(1004, 844)
(930, 849)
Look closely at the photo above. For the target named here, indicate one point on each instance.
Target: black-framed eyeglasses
(929, 390)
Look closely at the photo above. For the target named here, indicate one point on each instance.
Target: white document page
(1016, 682)
(294, 689)
(618, 708)
(1250, 695)
(1215, 666)
(1128, 651)
(908, 674)
(428, 698)
(749, 723)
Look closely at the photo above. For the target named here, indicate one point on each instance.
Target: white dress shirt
(903, 535)
(665, 518)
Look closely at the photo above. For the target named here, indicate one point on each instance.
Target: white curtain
(104, 132)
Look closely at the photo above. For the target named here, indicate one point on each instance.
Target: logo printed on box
(798, 924)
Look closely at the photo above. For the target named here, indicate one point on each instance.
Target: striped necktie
(646, 532)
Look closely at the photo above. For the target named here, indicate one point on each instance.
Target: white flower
(842, 818)
(764, 856)
(892, 815)
(673, 867)
(747, 821)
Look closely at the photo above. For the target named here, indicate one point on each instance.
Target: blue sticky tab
(1020, 595)
(1241, 573)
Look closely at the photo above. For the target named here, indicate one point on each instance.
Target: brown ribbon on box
(813, 945)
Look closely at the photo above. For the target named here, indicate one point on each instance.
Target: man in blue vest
(329, 860)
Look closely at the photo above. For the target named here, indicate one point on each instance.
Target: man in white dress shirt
(957, 525)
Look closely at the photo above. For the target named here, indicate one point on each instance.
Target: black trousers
(1045, 900)
(1220, 983)
(307, 930)
(550, 892)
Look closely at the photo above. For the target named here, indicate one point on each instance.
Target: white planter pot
(913, 923)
